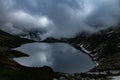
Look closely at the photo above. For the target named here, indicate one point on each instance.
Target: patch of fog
(59, 56)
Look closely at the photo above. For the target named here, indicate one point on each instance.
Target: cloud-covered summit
(59, 18)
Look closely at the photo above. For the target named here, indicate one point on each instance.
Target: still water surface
(59, 56)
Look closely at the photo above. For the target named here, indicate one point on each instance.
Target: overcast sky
(58, 18)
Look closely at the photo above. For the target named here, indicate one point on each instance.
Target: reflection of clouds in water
(61, 57)
(44, 59)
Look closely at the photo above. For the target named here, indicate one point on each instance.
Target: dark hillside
(11, 70)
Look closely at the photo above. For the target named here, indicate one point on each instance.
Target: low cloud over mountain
(59, 18)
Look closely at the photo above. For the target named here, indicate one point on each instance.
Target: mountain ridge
(102, 47)
(96, 45)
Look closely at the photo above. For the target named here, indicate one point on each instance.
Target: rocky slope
(103, 47)
(11, 70)
(33, 34)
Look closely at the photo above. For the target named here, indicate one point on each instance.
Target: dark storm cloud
(61, 57)
(59, 18)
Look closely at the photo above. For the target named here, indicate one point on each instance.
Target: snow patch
(84, 49)
(116, 78)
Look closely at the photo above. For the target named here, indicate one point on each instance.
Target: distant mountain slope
(89, 44)
(34, 34)
(10, 41)
(103, 47)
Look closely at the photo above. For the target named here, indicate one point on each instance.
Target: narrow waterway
(59, 56)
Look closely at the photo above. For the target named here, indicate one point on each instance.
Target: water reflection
(61, 57)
